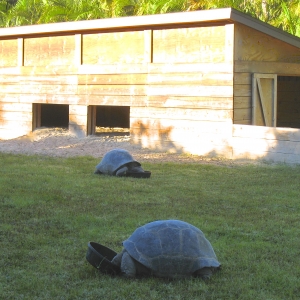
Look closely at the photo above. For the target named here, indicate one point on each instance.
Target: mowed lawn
(50, 208)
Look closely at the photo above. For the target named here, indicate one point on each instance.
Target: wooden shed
(212, 83)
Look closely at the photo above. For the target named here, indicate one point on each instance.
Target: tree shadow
(157, 138)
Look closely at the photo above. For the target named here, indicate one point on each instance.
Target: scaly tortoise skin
(167, 248)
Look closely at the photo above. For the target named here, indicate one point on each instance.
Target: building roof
(192, 18)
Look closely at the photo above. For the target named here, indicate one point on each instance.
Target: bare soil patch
(59, 142)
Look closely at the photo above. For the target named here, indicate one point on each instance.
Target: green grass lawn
(50, 208)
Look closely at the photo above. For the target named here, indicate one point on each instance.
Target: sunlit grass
(51, 207)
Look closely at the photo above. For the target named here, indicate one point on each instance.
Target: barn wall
(113, 48)
(49, 51)
(243, 71)
(185, 86)
(177, 82)
(266, 143)
(8, 53)
(189, 92)
(256, 52)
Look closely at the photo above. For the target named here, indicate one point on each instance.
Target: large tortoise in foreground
(167, 248)
(119, 162)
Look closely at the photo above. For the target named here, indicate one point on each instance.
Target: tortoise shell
(114, 160)
(171, 248)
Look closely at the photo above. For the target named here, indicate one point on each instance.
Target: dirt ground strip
(60, 142)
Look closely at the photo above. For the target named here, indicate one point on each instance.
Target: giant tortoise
(119, 162)
(167, 248)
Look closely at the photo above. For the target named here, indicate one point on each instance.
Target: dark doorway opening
(112, 116)
(55, 115)
(112, 120)
(288, 101)
(50, 115)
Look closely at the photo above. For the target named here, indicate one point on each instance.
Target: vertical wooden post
(20, 52)
(36, 115)
(148, 38)
(78, 50)
(91, 120)
(229, 43)
(78, 115)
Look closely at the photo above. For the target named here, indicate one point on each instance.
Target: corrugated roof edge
(229, 15)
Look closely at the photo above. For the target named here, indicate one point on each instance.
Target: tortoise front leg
(128, 265)
(122, 171)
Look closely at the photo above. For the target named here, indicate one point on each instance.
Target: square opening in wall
(288, 101)
(112, 120)
(50, 115)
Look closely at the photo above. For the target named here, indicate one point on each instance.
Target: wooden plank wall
(178, 83)
(266, 143)
(256, 52)
(188, 108)
(184, 86)
(49, 51)
(9, 53)
(189, 91)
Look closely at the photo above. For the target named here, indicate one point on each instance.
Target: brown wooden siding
(267, 143)
(113, 48)
(49, 51)
(188, 45)
(242, 98)
(9, 53)
(176, 82)
(185, 77)
(253, 45)
(243, 71)
(256, 52)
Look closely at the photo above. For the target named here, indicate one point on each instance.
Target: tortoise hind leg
(205, 273)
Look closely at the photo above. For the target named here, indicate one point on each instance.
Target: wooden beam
(229, 43)
(148, 45)
(91, 122)
(78, 50)
(36, 115)
(20, 52)
(181, 19)
(39, 70)
(158, 113)
(279, 68)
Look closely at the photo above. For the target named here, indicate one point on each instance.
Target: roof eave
(121, 23)
(193, 18)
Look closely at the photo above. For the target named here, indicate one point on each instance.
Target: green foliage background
(284, 14)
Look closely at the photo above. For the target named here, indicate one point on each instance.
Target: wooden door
(264, 99)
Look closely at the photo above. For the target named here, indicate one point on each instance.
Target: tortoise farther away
(167, 248)
(119, 162)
